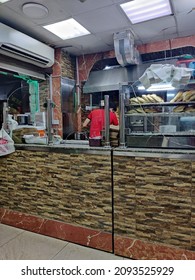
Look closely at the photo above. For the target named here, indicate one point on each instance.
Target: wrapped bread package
(17, 134)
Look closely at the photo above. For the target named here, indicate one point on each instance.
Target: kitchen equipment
(23, 119)
(81, 135)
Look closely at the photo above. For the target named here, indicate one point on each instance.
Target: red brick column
(56, 81)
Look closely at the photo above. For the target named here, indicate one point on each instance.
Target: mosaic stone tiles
(69, 196)
(153, 200)
(70, 188)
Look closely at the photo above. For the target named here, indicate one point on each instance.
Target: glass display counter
(162, 118)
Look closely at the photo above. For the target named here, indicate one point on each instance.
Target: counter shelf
(157, 124)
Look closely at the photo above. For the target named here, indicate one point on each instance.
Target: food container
(95, 142)
(167, 128)
(31, 139)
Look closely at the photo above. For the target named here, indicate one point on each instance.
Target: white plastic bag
(6, 143)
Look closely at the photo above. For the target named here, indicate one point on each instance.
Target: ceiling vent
(22, 47)
(125, 51)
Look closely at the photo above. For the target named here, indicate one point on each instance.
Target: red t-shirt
(97, 122)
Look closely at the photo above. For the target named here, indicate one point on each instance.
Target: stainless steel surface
(75, 142)
(109, 80)
(129, 152)
(68, 107)
(65, 149)
(124, 47)
(107, 121)
(157, 153)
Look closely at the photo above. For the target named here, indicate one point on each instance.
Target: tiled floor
(18, 244)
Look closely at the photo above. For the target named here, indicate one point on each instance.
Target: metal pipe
(122, 117)
(49, 120)
(50, 111)
(107, 121)
(50, 87)
(78, 83)
(5, 113)
(90, 100)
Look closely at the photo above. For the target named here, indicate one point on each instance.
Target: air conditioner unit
(22, 47)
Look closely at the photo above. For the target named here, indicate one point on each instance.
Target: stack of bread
(149, 98)
(186, 96)
(17, 134)
(144, 99)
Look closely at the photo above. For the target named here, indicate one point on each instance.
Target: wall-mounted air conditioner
(23, 47)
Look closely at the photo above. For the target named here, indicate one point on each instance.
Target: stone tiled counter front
(154, 205)
(64, 193)
(136, 204)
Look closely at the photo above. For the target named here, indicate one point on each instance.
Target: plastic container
(95, 142)
(167, 128)
(31, 139)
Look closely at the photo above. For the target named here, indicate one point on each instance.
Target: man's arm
(114, 119)
(86, 122)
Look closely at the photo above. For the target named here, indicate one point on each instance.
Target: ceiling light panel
(142, 10)
(67, 29)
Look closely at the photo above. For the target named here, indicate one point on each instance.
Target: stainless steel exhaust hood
(110, 79)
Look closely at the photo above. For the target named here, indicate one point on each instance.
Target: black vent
(168, 54)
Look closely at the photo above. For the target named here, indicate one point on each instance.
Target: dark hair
(113, 106)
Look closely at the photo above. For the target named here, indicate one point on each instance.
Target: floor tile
(17, 244)
(8, 233)
(31, 246)
(76, 252)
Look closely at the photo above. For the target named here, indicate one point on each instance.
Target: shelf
(162, 104)
(161, 114)
(150, 134)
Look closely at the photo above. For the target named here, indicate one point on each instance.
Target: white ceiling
(102, 18)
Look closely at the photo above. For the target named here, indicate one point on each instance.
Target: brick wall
(43, 93)
(68, 66)
(64, 66)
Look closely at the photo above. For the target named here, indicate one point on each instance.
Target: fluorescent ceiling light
(143, 10)
(67, 29)
(158, 87)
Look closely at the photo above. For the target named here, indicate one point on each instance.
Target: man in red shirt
(96, 118)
